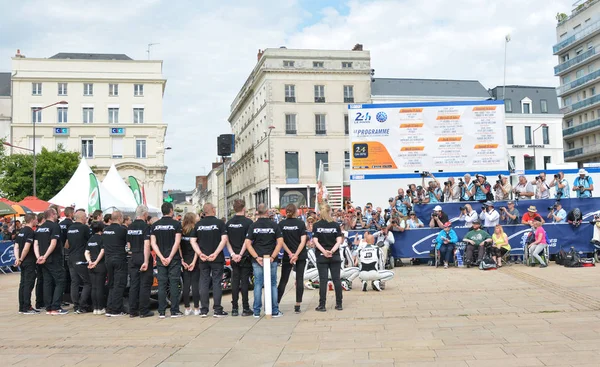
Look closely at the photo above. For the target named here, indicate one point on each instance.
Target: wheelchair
(530, 260)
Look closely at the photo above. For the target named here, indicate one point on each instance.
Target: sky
(209, 47)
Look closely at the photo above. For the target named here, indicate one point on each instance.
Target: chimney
(259, 55)
(358, 47)
(19, 55)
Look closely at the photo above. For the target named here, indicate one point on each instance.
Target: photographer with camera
(451, 191)
(557, 213)
(402, 203)
(434, 192)
(523, 190)
(466, 187)
(583, 185)
(511, 214)
(502, 188)
(481, 188)
(562, 186)
(489, 215)
(468, 215)
(413, 221)
(419, 195)
(438, 218)
(542, 189)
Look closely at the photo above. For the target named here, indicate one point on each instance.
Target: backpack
(572, 260)
(561, 257)
(487, 264)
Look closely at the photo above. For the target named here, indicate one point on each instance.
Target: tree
(54, 169)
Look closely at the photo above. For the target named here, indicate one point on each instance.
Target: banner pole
(267, 282)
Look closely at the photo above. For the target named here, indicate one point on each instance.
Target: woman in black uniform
(191, 270)
(327, 238)
(94, 254)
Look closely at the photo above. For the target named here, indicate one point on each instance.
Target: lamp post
(534, 156)
(507, 40)
(268, 160)
(33, 121)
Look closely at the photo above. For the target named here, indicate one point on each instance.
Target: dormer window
(526, 106)
(288, 63)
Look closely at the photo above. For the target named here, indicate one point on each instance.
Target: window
(346, 125)
(113, 115)
(566, 79)
(571, 145)
(346, 159)
(62, 114)
(288, 64)
(290, 93)
(547, 160)
(62, 89)
(348, 94)
(565, 58)
(36, 144)
(320, 127)
(577, 27)
(590, 46)
(290, 124)
(87, 148)
(529, 163)
(346, 65)
(113, 90)
(507, 105)
(138, 90)
(527, 134)
(36, 89)
(291, 167)
(319, 94)
(513, 165)
(546, 134)
(140, 148)
(570, 123)
(318, 64)
(321, 157)
(60, 142)
(117, 147)
(36, 115)
(88, 115)
(138, 115)
(526, 107)
(593, 91)
(88, 89)
(567, 102)
(544, 106)
(509, 135)
(579, 73)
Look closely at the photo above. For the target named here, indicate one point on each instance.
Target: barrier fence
(7, 256)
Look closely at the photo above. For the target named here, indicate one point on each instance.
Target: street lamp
(534, 157)
(507, 40)
(33, 121)
(268, 160)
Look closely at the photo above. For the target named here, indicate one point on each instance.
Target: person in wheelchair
(371, 268)
(476, 237)
(501, 245)
(445, 242)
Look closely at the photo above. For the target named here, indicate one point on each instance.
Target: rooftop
(4, 84)
(86, 56)
(428, 88)
(516, 93)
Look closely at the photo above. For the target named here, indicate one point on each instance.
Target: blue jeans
(258, 286)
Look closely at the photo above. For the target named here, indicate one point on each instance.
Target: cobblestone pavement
(514, 316)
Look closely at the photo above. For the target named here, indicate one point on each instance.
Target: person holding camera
(396, 222)
(523, 190)
(434, 193)
(451, 191)
(401, 202)
(438, 218)
(562, 186)
(480, 188)
(511, 214)
(542, 190)
(413, 221)
(557, 213)
(468, 215)
(583, 185)
(466, 187)
(489, 215)
(502, 188)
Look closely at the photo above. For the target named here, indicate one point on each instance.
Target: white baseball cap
(437, 208)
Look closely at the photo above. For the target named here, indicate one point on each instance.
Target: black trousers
(168, 276)
(39, 287)
(140, 283)
(80, 277)
(210, 271)
(286, 269)
(98, 280)
(54, 284)
(116, 270)
(470, 251)
(324, 268)
(240, 280)
(191, 279)
(26, 285)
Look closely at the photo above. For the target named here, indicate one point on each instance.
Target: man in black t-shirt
(241, 265)
(165, 239)
(211, 237)
(48, 251)
(141, 266)
(77, 236)
(264, 239)
(25, 258)
(114, 239)
(294, 255)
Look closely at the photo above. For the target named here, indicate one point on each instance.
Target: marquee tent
(114, 183)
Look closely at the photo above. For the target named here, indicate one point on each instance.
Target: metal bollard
(267, 281)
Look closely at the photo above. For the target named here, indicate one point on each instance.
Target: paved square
(515, 316)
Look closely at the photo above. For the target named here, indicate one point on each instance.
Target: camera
(408, 192)
(434, 215)
(461, 183)
(537, 178)
(463, 208)
(498, 182)
(557, 176)
(447, 183)
(553, 207)
(419, 188)
(387, 210)
(425, 174)
(400, 197)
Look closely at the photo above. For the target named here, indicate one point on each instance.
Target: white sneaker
(95, 312)
(187, 312)
(197, 312)
(102, 312)
(278, 314)
(377, 286)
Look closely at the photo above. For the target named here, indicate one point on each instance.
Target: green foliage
(54, 169)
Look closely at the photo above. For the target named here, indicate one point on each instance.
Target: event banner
(430, 136)
(7, 255)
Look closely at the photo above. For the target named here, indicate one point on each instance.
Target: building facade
(5, 106)
(290, 115)
(113, 112)
(578, 69)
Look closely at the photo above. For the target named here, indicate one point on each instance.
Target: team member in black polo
(78, 235)
(241, 265)
(140, 265)
(211, 239)
(328, 239)
(294, 255)
(264, 238)
(48, 251)
(94, 254)
(25, 258)
(165, 239)
(114, 239)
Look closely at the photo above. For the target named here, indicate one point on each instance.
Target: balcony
(348, 99)
(560, 69)
(319, 99)
(582, 34)
(290, 99)
(577, 83)
(581, 105)
(320, 132)
(583, 127)
(573, 153)
(579, 153)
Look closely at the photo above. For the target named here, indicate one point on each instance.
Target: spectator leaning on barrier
(531, 215)
(468, 215)
(583, 185)
(489, 215)
(438, 218)
(511, 214)
(523, 190)
(481, 188)
(557, 213)
(502, 188)
(451, 191)
(562, 186)
(466, 188)
(445, 242)
(542, 190)
(396, 224)
(413, 221)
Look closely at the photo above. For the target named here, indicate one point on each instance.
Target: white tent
(114, 183)
(77, 190)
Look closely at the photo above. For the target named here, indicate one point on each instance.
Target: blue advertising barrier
(7, 255)
(417, 243)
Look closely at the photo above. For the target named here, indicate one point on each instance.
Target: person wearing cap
(476, 237)
(438, 218)
(445, 242)
(502, 188)
(562, 186)
(466, 188)
(583, 185)
(511, 214)
(413, 221)
(481, 188)
(489, 215)
(557, 213)
(542, 190)
(523, 190)
(531, 215)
